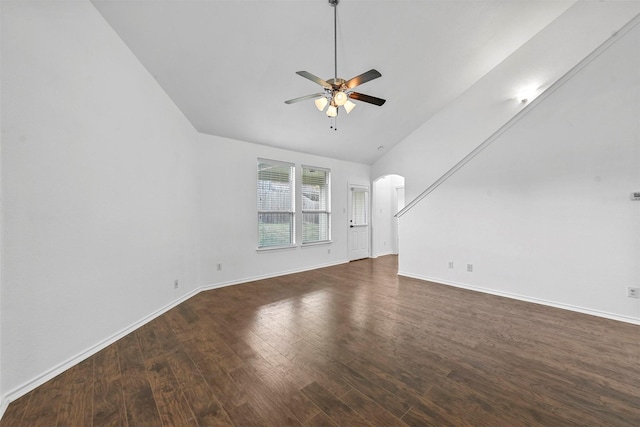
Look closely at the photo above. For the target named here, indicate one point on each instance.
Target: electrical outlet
(329, 251)
(218, 267)
(470, 267)
(633, 292)
(175, 285)
(450, 264)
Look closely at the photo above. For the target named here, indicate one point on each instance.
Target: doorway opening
(388, 199)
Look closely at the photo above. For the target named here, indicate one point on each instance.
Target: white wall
(384, 207)
(2, 402)
(544, 213)
(109, 195)
(456, 130)
(229, 218)
(99, 212)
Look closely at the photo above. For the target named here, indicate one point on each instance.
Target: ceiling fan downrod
(334, 3)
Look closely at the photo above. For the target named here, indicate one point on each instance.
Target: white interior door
(358, 222)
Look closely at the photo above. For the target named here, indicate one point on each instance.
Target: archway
(387, 200)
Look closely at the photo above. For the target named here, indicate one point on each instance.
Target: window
(316, 209)
(359, 206)
(276, 204)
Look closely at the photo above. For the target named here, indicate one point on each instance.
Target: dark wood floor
(351, 345)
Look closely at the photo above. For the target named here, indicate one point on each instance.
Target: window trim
(326, 211)
(292, 212)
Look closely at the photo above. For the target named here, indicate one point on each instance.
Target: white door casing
(358, 204)
(399, 204)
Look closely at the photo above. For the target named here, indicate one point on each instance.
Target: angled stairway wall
(544, 212)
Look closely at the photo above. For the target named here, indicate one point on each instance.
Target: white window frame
(282, 210)
(324, 236)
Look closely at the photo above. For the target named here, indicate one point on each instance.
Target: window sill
(323, 243)
(276, 248)
(289, 247)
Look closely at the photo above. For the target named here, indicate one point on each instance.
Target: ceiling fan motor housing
(337, 83)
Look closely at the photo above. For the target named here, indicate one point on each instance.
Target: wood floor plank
(108, 401)
(366, 384)
(220, 345)
(204, 403)
(264, 401)
(45, 403)
(320, 420)
(370, 410)
(301, 406)
(228, 391)
(16, 411)
(396, 381)
(203, 347)
(303, 357)
(352, 344)
(335, 408)
(140, 403)
(245, 415)
(431, 416)
(157, 344)
(76, 402)
(173, 408)
(281, 378)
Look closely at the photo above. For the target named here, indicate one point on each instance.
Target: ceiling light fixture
(527, 93)
(339, 98)
(321, 103)
(348, 106)
(338, 92)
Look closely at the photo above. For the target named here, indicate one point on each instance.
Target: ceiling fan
(338, 92)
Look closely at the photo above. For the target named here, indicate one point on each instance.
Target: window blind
(276, 204)
(316, 209)
(359, 206)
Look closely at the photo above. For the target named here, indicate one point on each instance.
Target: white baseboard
(604, 314)
(3, 407)
(72, 361)
(269, 276)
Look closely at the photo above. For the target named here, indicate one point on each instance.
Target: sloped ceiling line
(520, 114)
(228, 65)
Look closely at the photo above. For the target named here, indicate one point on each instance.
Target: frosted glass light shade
(339, 98)
(349, 106)
(332, 111)
(321, 103)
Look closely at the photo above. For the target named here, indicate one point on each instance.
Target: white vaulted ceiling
(230, 65)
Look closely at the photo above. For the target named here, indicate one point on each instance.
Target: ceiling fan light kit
(321, 103)
(337, 91)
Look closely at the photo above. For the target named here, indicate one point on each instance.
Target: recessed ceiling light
(527, 93)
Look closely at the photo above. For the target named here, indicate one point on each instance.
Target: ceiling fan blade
(315, 79)
(304, 98)
(367, 98)
(363, 78)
